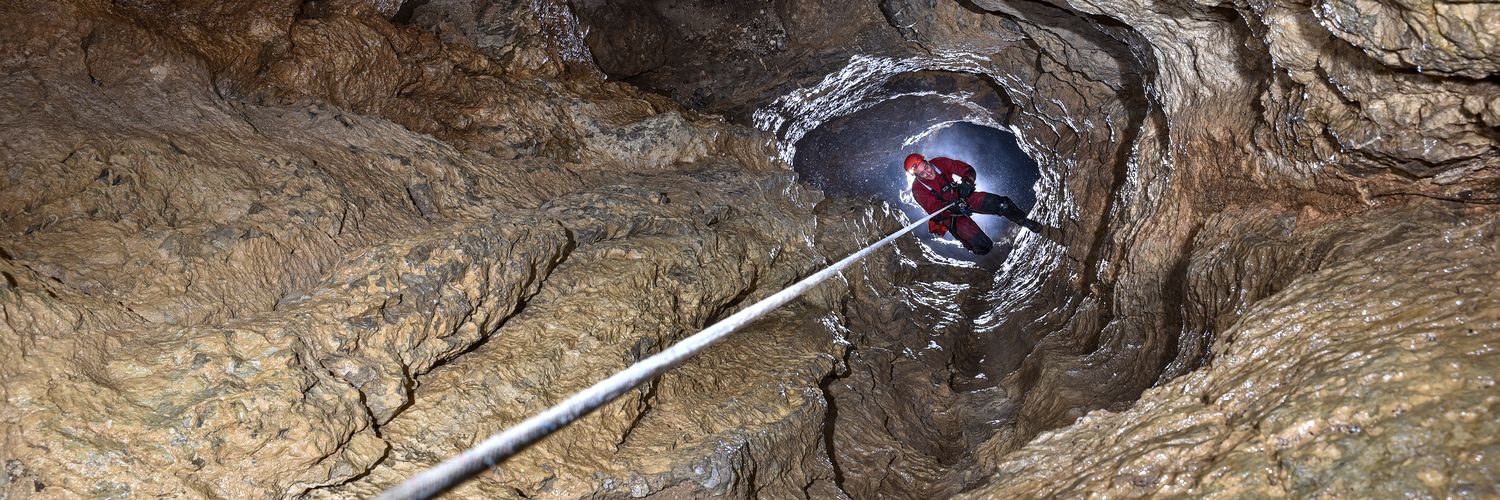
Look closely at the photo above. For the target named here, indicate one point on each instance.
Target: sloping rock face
(273, 249)
(280, 249)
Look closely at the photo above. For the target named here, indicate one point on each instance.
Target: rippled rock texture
(270, 249)
(1373, 375)
(279, 249)
(1201, 162)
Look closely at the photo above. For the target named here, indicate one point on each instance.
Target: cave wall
(317, 246)
(1239, 179)
(729, 58)
(1198, 158)
(1359, 377)
(287, 249)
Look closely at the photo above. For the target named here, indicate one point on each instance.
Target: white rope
(498, 447)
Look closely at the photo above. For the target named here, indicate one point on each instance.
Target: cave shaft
(306, 249)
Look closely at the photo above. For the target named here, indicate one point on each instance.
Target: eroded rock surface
(236, 264)
(1198, 159)
(1381, 361)
(282, 249)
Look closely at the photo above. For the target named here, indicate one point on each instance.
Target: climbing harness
(961, 206)
(451, 472)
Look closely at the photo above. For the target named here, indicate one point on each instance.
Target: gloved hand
(964, 189)
(960, 208)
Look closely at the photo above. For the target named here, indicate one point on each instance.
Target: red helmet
(912, 160)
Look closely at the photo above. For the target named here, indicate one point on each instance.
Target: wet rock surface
(282, 249)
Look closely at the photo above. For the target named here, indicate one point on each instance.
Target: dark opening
(861, 156)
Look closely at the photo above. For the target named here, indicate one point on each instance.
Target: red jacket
(930, 194)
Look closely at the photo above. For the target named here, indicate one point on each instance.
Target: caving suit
(935, 194)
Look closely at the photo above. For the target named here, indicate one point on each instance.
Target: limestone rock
(254, 249)
(1448, 38)
(1190, 151)
(1361, 365)
(217, 271)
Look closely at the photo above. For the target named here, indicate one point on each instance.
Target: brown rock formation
(278, 249)
(1197, 159)
(1371, 375)
(215, 271)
